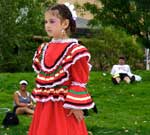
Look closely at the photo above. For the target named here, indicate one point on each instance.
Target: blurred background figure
(22, 100)
(121, 71)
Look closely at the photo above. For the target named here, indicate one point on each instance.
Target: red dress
(62, 69)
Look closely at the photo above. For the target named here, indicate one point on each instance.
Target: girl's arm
(78, 97)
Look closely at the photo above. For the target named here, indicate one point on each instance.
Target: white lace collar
(64, 40)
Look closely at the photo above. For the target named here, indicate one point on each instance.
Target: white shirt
(116, 69)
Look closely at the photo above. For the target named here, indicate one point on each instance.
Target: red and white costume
(62, 68)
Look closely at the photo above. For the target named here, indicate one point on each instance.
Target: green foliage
(22, 60)
(127, 14)
(122, 109)
(105, 49)
(20, 21)
(111, 43)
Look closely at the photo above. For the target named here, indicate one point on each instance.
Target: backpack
(10, 119)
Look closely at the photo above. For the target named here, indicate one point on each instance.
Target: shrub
(105, 48)
(21, 60)
(109, 44)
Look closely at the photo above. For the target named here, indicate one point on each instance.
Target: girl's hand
(77, 113)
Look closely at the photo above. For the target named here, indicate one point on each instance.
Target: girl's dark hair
(64, 13)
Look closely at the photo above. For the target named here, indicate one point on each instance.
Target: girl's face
(54, 25)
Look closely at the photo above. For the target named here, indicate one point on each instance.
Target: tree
(128, 14)
(20, 20)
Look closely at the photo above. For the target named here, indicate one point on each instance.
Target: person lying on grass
(22, 100)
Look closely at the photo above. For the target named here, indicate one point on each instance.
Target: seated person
(121, 72)
(22, 100)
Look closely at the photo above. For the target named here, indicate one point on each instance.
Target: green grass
(123, 109)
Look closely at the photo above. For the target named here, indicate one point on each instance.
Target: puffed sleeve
(37, 59)
(78, 96)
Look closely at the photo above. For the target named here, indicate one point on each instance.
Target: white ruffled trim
(69, 40)
(69, 106)
(35, 70)
(55, 83)
(49, 99)
(77, 58)
(90, 66)
(33, 64)
(65, 70)
(58, 63)
(79, 84)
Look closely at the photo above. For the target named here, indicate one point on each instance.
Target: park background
(108, 28)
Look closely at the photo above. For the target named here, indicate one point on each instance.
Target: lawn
(122, 110)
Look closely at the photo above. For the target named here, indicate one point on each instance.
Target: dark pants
(122, 76)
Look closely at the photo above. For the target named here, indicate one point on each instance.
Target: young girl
(62, 68)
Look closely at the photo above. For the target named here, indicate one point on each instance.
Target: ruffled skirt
(50, 118)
